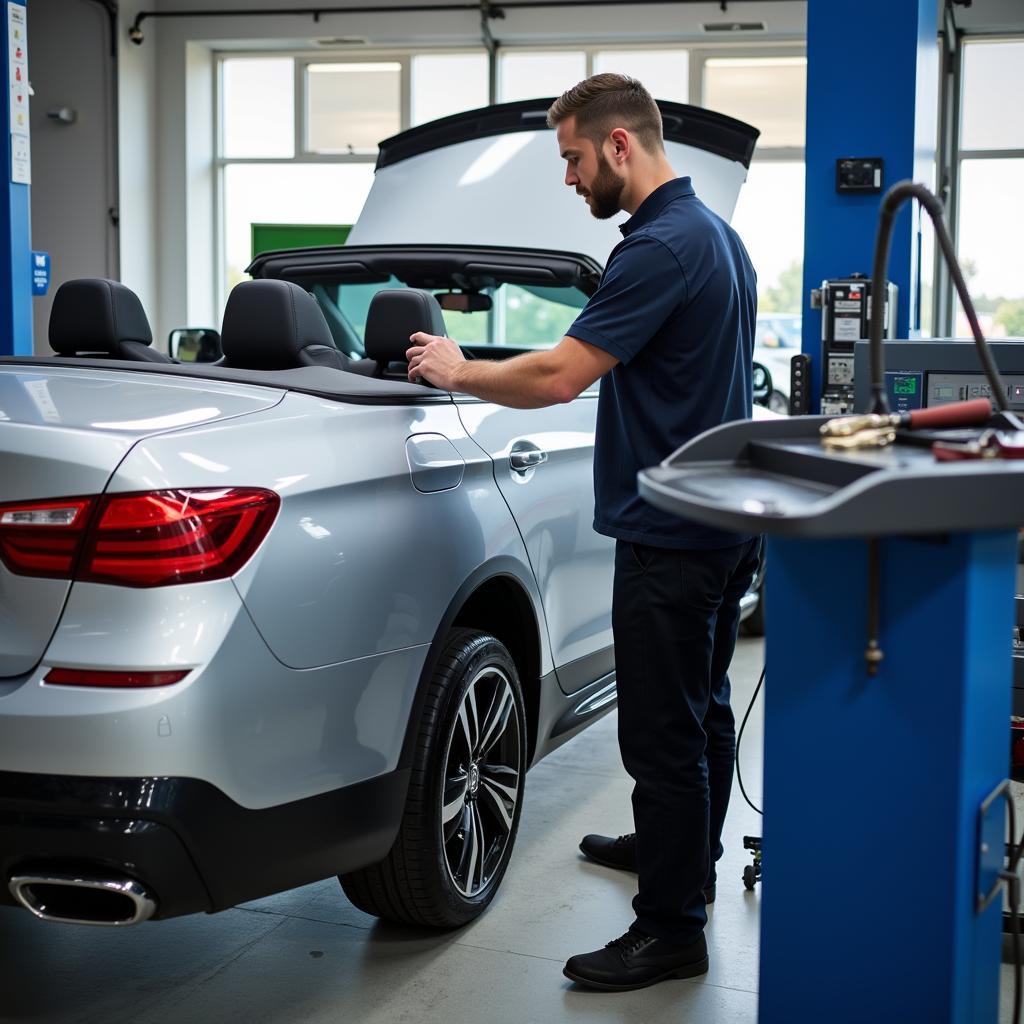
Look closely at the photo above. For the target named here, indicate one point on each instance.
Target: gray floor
(307, 955)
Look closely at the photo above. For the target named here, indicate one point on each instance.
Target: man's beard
(605, 190)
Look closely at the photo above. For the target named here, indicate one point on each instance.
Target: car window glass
(520, 317)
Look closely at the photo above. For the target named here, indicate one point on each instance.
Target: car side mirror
(194, 345)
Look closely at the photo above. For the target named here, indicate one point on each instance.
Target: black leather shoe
(635, 960)
(621, 853)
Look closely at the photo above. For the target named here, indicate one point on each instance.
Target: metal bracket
(991, 844)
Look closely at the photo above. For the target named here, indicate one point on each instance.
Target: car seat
(96, 317)
(276, 325)
(394, 315)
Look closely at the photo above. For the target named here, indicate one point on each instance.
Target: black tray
(774, 476)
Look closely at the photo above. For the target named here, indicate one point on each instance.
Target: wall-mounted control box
(859, 174)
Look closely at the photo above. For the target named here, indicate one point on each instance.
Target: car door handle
(525, 459)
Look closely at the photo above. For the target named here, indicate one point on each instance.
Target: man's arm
(529, 381)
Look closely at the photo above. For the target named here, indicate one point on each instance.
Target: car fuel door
(544, 466)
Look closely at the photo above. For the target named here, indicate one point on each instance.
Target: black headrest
(93, 314)
(275, 325)
(395, 314)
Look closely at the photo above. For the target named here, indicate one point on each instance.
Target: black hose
(894, 199)
(739, 741)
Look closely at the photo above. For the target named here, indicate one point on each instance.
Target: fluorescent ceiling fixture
(494, 157)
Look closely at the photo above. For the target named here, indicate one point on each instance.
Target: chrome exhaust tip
(76, 899)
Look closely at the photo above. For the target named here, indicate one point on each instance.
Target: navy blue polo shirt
(676, 307)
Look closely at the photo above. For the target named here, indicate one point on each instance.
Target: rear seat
(276, 325)
(93, 316)
(394, 315)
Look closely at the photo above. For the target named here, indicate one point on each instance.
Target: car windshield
(520, 316)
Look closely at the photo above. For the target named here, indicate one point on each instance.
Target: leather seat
(394, 315)
(93, 316)
(276, 325)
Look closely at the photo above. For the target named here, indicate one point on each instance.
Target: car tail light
(93, 677)
(151, 539)
(43, 538)
(166, 537)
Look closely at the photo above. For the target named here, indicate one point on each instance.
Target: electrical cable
(739, 741)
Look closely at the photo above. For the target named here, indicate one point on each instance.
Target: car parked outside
(776, 340)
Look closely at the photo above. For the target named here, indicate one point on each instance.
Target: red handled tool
(974, 413)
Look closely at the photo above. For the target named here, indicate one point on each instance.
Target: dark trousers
(675, 616)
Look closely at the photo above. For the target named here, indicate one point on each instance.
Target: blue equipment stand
(879, 832)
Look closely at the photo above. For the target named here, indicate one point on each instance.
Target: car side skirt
(562, 716)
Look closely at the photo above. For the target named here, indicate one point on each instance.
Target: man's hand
(438, 360)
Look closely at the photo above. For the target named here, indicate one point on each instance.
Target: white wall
(73, 173)
(140, 180)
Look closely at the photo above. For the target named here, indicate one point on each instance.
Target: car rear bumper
(191, 846)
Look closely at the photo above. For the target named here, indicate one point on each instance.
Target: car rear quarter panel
(359, 562)
(363, 559)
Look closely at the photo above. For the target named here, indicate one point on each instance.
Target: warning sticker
(847, 328)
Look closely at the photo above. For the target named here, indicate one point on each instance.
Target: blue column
(872, 785)
(15, 232)
(872, 91)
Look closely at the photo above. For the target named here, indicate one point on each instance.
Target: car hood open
(494, 175)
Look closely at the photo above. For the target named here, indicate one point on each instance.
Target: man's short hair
(602, 103)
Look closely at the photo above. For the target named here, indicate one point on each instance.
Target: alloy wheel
(482, 781)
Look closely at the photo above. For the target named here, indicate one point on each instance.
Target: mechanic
(672, 326)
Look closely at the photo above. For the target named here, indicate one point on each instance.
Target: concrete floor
(308, 955)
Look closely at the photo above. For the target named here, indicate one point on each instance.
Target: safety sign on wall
(17, 52)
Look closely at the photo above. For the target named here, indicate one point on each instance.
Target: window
(767, 92)
(447, 83)
(527, 75)
(286, 193)
(298, 136)
(990, 194)
(259, 107)
(993, 116)
(770, 219)
(351, 107)
(521, 316)
(664, 73)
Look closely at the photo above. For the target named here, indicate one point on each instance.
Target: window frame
(952, 156)
(697, 55)
(301, 60)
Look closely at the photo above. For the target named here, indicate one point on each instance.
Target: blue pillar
(15, 232)
(872, 91)
(872, 785)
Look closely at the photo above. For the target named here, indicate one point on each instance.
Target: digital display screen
(904, 386)
(944, 392)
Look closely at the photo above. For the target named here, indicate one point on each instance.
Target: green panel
(271, 237)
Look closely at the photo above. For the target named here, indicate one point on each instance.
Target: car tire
(779, 402)
(465, 793)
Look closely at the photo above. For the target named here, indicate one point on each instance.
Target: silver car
(288, 616)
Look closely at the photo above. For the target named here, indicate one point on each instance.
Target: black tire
(749, 877)
(416, 883)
